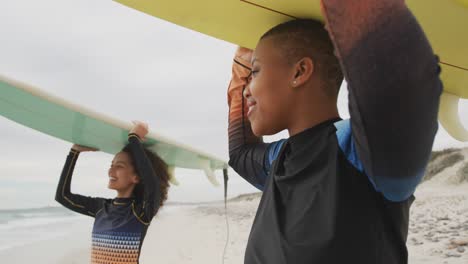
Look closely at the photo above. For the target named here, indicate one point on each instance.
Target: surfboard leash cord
(226, 178)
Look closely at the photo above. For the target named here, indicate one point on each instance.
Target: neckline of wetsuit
(302, 149)
(122, 201)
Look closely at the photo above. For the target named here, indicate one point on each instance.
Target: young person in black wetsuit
(140, 178)
(336, 191)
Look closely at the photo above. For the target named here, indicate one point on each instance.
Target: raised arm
(75, 202)
(248, 155)
(151, 182)
(394, 89)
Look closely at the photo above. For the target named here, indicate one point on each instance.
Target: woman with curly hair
(141, 180)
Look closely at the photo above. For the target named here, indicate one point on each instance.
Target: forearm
(75, 202)
(63, 187)
(151, 182)
(240, 131)
(246, 151)
(393, 77)
(393, 81)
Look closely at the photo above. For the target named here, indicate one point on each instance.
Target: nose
(246, 92)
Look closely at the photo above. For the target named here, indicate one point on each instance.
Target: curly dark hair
(161, 170)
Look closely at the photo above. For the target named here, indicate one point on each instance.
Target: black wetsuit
(340, 192)
(120, 224)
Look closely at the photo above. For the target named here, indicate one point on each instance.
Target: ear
(135, 179)
(303, 70)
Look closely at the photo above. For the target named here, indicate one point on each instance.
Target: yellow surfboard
(242, 22)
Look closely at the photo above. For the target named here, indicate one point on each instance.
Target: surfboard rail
(52, 115)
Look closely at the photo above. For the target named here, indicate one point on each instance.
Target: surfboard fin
(205, 164)
(172, 178)
(449, 117)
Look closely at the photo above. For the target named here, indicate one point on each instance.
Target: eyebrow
(119, 162)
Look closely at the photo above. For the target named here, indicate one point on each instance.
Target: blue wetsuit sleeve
(393, 190)
(151, 182)
(394, 89)
(81, 204)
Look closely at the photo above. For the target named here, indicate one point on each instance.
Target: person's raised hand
(140, 129)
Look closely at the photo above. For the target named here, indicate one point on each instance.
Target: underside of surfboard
(243, 22)
(54, 116)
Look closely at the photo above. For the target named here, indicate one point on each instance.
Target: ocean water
(20, 227)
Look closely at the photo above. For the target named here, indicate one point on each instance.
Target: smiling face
(269, 93)
(122, 175)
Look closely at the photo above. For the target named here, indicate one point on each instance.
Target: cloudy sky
(124, 64)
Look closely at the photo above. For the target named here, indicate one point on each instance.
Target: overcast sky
(124, 64)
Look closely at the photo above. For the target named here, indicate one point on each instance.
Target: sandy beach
(198, 233)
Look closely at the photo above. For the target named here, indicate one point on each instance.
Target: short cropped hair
(301, 38)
